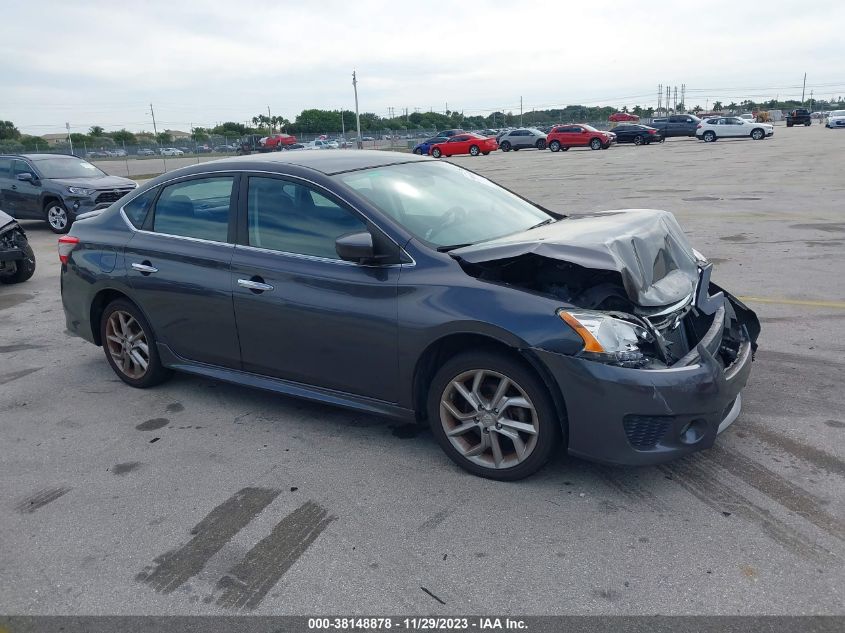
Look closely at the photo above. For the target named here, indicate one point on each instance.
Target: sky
(200, 62)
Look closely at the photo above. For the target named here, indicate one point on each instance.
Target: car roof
(328, 162)
(37, 157)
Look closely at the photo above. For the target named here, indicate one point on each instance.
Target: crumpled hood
(100, 182)
(646, 246)
(5, 219)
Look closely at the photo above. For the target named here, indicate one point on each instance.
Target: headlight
(81, 191)
(608, 339)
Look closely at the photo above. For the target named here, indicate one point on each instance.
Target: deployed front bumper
(648, 416)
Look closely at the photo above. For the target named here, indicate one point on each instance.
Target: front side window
(442, 204)
(195, 208)
(291, 218)
(21, 167)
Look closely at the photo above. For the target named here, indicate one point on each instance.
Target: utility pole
(659, 98)
(675, 100)
(269, 120)
(803, 89)
(668, 98)
(360, 143)
(342, 126)
(69, 139)
(155, 131)
(520, 111)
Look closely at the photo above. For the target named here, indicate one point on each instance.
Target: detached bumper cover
(649, 416)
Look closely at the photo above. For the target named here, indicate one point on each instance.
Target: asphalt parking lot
(307, 509)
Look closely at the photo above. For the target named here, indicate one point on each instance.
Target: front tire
(506, 146)
(709, 136)
(436, 152)
(130, 346)
(758, 134)
(541, 144)
(492, 415)
(418, 152)
(56, 216)
(24, 268)
(474, 151)
(486, 153)
(638, 140)
(595, 144)
(554, 146)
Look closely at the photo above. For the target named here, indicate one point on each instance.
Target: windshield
(837, 113)
(589, 128)
(442, 204)
(67, 168)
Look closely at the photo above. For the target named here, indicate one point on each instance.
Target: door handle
(254, 284)
(144, 268)
(14, 186)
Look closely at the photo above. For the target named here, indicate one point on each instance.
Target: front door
(178, 268)
(23, 196)
(304, 314)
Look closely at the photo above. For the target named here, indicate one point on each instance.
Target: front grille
(644, 431)
(111, 196)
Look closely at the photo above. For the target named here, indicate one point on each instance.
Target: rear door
(303, 313)
(178, 266)
(6, 185)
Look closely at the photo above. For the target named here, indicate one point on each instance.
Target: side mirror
(355, 247)
(26, 177)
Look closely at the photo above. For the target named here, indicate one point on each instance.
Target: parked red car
(278, 140)
(472, 144)
(562, 137)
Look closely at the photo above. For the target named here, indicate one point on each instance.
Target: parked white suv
(171, 151)
(715, 128)
(522, 138)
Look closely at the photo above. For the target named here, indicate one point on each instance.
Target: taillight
(66, 244)
(698, 126)
(652, 131)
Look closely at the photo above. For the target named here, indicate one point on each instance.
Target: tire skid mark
(702, 481)
(172, 569)
(777, 488)
(246, 584)
(14, 375)
(628, 484)
(434, 520)
(814, 456)
(40, 499)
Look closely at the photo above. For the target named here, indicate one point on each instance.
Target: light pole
(69, 139)
(359, 142)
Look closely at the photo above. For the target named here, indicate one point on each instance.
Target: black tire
(564, 148)
(541, 144)
(155, 372)
(789, 124)
(709, 136)
(57, 217)
(24, 268)
(516, 149)
(595, 144)
(555, 146)
(436, 152)
(418, 152)
(758, 134)
(505, 146)
(474, 151)
(808, 123)
(548, 427)
(638, 140)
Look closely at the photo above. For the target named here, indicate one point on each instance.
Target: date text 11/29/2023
(416, 624)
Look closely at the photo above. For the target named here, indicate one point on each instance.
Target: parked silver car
(521, 138)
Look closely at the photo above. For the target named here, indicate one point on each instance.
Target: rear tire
(522, 449)
(505, 146)
(474, 151)
(638, 140)
(24, 268)
(554, 146)
(595, 144)
(808, 123)
(486, 153)
(541, 144)
(436, 152)
(128, 338)
(709, 136)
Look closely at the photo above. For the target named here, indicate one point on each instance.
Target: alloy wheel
(489, 419)
(127, 344)
(57, 217)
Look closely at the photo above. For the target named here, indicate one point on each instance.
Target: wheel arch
(445, 347)
(98, 305)
(47, 198)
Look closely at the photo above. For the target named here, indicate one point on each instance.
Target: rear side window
(136, 209)
(5, 165)
(195, 208)
(292, 218)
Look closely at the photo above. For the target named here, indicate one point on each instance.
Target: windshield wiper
(543, 223)
(451, 247)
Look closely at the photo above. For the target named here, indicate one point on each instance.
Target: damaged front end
(665, 350)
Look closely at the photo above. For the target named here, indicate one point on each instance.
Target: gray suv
(522, 138)
(56, 188)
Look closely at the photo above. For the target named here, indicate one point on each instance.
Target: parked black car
(676, 125)
(637, 134)
(17, 260)
(800, 116)
(400, 285)
(56, 188)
